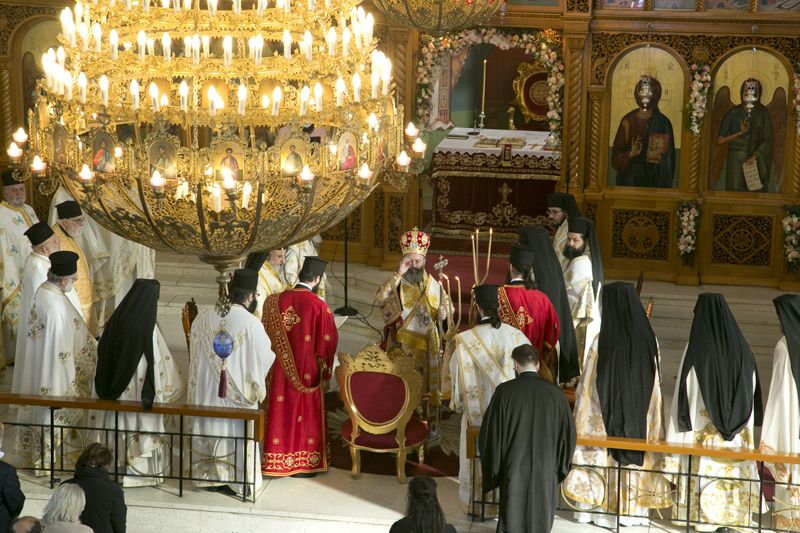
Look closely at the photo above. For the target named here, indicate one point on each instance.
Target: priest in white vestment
(561, 206)
(619, 396)
(583, 278)
(781, 429)
(246, 369)
(269, 266)
(60, 358)
(115, 263)
(717, 402)
(478, 360)
(15, 219)
(295, 256)
(43, 243)
(134, 363)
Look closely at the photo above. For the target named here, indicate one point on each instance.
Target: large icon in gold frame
(531, 91)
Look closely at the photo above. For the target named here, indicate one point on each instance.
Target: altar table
(474, 188)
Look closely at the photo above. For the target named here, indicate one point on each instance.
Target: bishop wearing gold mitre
(69, 226)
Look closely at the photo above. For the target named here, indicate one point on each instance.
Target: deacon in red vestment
(530, 310)
(304, 338)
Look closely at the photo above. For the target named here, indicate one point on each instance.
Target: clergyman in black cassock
(526, 444)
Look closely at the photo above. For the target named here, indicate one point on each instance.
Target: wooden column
(574, 110)
(594, 156)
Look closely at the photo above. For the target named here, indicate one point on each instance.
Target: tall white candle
(212, 101)
(84, 33)
(287, 44)
(369, 26)
(212, 8)
(311, 5)
(237, 7)
(345, 42)
(113, 43)
(386, 75)
(307, 41)
(357, 34)
(216, 198)
(58, 79)
(154, 97)
(246, 194)
(227, 46)
(135, 94)
(71, 34)
(184, 92)
(195, 49)
(356, 87)
(68, 85)
(104, 90)
(260, 7)
(141, 40)
(318, 95)
(187, 47)
(304, 94)
(287, 8)
(82, 87)
(47, 66)
(176, 6)
(146, 6)
(376, 78)
(259, 48)
(151, 47)
(242, 98)
(339, 92)
(276, 101)
(166, 43)
(97, 33)
(205, 46)
(332, 42)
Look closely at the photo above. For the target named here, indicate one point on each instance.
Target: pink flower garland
(699, 85)
(535, 44)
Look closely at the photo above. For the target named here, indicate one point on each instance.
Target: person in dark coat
(526, 444)
(12, 497)
(105, 510)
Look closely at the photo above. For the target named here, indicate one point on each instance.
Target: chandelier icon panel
(156, 117)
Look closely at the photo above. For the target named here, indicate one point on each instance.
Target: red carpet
(437, 462)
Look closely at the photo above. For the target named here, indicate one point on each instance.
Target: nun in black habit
(717, 402)
(135, 364)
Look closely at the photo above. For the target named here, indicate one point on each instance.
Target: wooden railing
(246, 416)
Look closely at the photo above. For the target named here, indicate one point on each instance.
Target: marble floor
(334, 502)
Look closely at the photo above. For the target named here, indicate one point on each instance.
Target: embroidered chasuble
(14, 250)
(410, 314)
(560, 242)
(740, 495)
(532, 313)
(583, 305)
(478, 360)
(222, 459)
(34, 275)
(641, 491)
(269, 282)
(84, 286)
(781, 432)
(304, 338)
(60, 356)
(293, 262)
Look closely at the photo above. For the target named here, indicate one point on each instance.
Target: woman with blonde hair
(62, 511)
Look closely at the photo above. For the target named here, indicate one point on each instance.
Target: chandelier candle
(113, 42)
(483, 96)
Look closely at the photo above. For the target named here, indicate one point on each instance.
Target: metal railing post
(52, 448)
(180, 458)
(688, 493)
(246, 466)
(619, 491)
(116, 449)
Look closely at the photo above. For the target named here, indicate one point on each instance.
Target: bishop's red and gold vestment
(531, 312)
(304, 340)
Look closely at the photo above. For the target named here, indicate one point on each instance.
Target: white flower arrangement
(796, 103)
(536, 44)
(700, 85)
(688, 220)
(791, 240)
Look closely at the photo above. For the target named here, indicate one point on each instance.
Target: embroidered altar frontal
(481, 187)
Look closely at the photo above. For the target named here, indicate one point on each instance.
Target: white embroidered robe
(584, 307)
(60, 360)
(147, 454)
(270, 281)
(559, 242)
(478, 360)
(247, 368)
(781, 432)
(33, 276)
(641, 491)
(14, 250)
(741, 495)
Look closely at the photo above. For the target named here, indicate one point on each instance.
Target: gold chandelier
(438, 17)
(156, 117)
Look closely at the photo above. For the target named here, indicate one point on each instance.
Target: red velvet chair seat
(416, 432)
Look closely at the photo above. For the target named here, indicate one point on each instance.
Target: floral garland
(538, 44)
(688, 219)
(698, 96)
(796, 102)
(791, 240)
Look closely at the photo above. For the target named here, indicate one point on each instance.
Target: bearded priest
(560, 207)
(411, 301)
(304, 337)
(60, 358)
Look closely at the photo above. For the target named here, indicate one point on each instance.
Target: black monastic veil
(788, 308)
